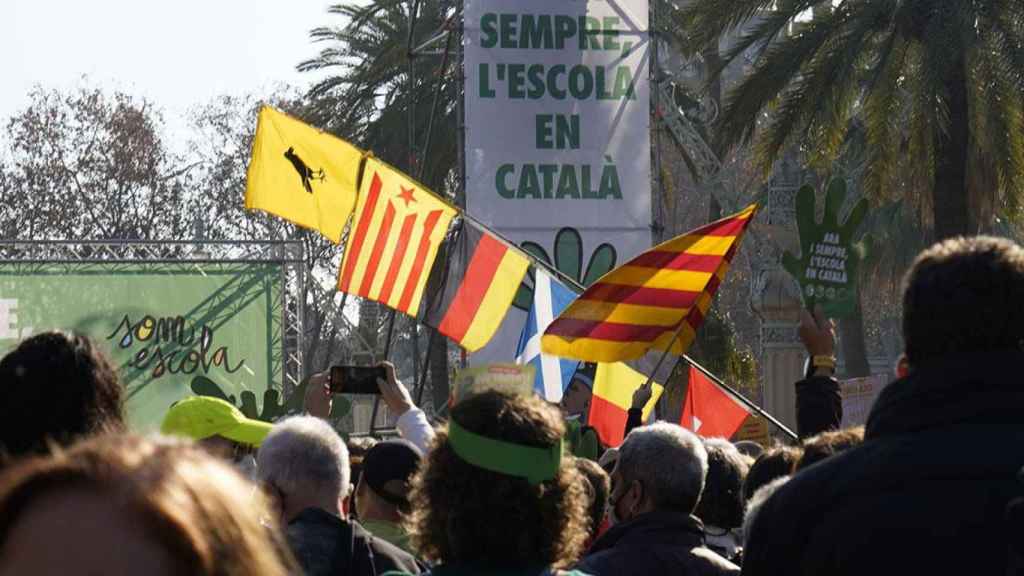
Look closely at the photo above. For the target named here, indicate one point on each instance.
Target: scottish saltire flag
(553, 374)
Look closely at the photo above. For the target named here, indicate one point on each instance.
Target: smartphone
(356, 379)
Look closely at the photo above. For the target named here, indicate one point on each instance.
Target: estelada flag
(302, 174)
(614, 385)
(646, 302)
(394, 238)
(710, 410)
(472, 286)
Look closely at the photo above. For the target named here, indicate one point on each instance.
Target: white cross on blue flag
(553, 374)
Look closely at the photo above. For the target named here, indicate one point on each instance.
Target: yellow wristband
(824, 362)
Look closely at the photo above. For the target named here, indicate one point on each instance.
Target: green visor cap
(534, 464)
(201, 417)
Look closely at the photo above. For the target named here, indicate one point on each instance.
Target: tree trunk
(851, 337)
(950, 205)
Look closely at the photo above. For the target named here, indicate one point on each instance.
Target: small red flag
(710, 410)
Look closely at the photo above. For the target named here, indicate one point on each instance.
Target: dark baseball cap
(388, 467)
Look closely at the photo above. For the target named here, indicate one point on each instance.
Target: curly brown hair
(463, 514)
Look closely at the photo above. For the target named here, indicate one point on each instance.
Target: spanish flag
(646, 302)
(614, 385)
(472, 286)
(394, 239)
(302, 174)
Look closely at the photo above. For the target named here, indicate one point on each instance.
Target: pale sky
(177, 54)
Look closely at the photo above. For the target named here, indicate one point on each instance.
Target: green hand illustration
(829, 259)
(568, 259)
(273, 408)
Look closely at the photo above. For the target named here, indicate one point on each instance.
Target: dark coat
(326, 545)
(925, 494)
(655, 543)
(819, 407)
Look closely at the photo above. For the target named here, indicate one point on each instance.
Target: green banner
(164, 325)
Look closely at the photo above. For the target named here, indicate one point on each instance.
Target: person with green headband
(496, 496)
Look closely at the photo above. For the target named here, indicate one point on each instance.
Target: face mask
(613, 516)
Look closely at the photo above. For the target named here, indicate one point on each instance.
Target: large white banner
(557, 126)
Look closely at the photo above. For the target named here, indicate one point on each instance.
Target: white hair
(304, 454)
(669, 461)
(757, 501)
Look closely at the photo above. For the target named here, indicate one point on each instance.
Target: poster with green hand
(829, 258)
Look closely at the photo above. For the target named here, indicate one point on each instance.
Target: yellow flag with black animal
(302, 174)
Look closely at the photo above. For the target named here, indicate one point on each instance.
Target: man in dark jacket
(928, 490)
(304, 464)
(655, 488)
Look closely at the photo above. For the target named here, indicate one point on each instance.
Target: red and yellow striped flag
(644, 303)
(394, 238)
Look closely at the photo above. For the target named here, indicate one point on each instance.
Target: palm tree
(938, 83)
(379, 97)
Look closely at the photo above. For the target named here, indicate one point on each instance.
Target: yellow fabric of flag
(393, 242)
(614, 384)
(302, 174)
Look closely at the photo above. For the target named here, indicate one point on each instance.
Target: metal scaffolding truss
(289, 255)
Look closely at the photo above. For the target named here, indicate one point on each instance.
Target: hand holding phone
(356, 379)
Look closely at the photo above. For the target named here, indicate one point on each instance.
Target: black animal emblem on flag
(305, 172)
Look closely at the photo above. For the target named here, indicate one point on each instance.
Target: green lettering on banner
(565, 28)
(488, 32)
(508, 30)
(585, 179)
(623, 84)
(529, 186)
(485, 81)
(590, 27)
(567, 131)
(537, 32)
(545, 131)
(611, 33)
(517, 81)
(610, 182)
(580, 74)
(553, 73)
(500, 179)
(602, 87)
(568, 187)
(547, 172)
(535, 76)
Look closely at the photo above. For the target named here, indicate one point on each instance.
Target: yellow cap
(201, 417)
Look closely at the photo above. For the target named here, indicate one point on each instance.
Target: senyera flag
(394, 238)
(302, 174)
(472, 285)
(709, 409)
(645, 303)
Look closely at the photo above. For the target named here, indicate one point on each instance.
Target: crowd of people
(931, 484)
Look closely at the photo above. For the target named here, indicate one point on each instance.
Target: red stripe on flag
(477, 280)
(608, 420)
(677, 261)
(399, 256)
(378, 249)
(356, 244)
(420, 262)
(620, 293)
(573, 328)
(730, 227)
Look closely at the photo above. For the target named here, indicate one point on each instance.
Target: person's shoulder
(387, 556)
(712, 563)
(608, 561)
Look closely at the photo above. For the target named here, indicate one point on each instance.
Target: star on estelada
(407, 195)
